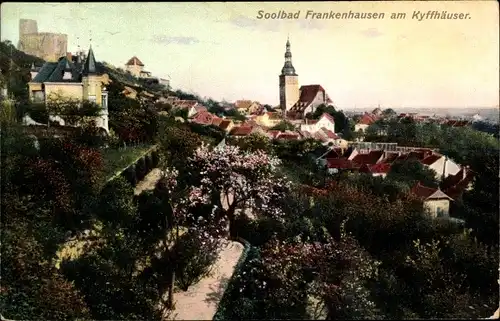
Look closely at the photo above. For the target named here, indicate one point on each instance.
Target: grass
(117, 159)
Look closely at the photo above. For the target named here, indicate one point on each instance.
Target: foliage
(252, 143)
(117, 159)
(243, 180)
(235, 114)
(208, 130)
(412, 171)
(284, 126)
(177, 143)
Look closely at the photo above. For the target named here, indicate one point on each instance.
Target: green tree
(412, 171)
(283, 126)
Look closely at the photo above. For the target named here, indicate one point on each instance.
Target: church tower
(289, 82)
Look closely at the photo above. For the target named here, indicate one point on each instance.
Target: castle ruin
(45, 45)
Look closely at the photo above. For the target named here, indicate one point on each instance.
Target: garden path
(148, 183)
(201, 300)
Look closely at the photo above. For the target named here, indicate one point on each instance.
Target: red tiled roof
(224, 124)
(460, 180)
(241, 131)
(381, 168)
(428, 192)
(216, 121)
(340, 163)
(329, 133)
(273, 133)
(369, 159)
(134, 61)
(311, 121)
(367, 119)
(419, 155)
(390, 157)
(287, 136)
(204, 118)
(431, 159)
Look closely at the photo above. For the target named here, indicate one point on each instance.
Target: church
(297, 102)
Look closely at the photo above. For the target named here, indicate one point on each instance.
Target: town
(124, 198)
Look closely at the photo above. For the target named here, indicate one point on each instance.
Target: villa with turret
(72, 77)
(296, 102)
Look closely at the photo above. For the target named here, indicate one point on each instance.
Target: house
(71, 77)
(310, 97)
(195, 109)
(456, 185)
(247, 107)
(268, 119)
(135, 66)
(226, 125)
(287, 135)
(435, 201)
(203, 118)
(240, 131)
(365, 121)
(442, 165)
(325, 121)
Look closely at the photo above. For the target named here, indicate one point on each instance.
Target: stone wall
(45, 45)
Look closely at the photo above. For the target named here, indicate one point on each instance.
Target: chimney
(444, 167)
(69, 56)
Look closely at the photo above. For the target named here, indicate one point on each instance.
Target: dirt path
(201, 300)
(149, 182)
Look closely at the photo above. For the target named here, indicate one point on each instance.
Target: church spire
(89, 68)
(288, 68)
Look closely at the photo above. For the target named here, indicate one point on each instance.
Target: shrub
(149, 162)
(155, 158)
(129, 175)
(140, 169)
(194, 260)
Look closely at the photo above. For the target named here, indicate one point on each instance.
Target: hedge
(140, 168)
(225, 302)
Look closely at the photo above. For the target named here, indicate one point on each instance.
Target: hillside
(15, 66)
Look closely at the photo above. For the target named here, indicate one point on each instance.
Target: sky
(222, 51)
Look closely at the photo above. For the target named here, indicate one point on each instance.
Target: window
(104, 100)
(440, 212)
(93, 99)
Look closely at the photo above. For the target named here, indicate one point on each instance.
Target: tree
(179, 213)
(341, 121)
(284, 126)
(234, 113)
(254, 142)
(389, 113)
(240, 180)
(177, 143)
(412, 171)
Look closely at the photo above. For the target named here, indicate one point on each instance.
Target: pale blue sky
(221, 50)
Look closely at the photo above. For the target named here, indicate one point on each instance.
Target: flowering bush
(244, 180)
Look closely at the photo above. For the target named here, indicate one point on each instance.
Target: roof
(340, 163)
(328, 116)
(55, 71)
(428, 193)
(381, 168)
(243, 104)
(241, 131)
(216, 121)
(431, 159)
(287, 136)
(455, 185)
(390, 157)
(203, 118)
(329, 133)
(225, 123)
(89, 67)
(367, 119)
(371, 158)
(134, 61)
(307, 95)
(273, 133)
